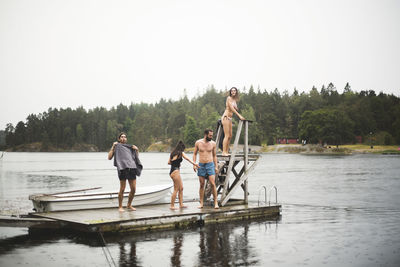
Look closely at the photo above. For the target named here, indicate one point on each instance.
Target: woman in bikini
(231, 107)
(175, 159)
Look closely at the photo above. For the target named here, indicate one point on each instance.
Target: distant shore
(331, 149)
(279, 148)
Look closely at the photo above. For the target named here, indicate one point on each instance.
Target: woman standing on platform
(226, 119)
(175, 159)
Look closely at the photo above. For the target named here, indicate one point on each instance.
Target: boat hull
(146, 195)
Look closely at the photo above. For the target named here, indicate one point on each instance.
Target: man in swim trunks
(207, 150)
(128, 165)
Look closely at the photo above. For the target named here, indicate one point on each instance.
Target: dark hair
(237, 93)
(121, 133)
(206, 131)
(178, 150)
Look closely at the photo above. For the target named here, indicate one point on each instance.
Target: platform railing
(276, 195)
(266, 192)
(265, 196)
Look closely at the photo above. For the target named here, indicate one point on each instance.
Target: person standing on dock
(126, 159)
(226, 119)
(207, 150)
(175, 159)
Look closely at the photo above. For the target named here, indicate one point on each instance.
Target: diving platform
(229, 179)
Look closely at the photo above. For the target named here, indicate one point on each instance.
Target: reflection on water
(128, 254)
(224, 244)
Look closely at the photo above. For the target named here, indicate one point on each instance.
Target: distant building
(287, 141)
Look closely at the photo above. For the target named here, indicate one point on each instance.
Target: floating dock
(150, 217)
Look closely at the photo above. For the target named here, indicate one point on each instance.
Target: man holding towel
(126, 159)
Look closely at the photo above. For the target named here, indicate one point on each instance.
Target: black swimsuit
(175, 165)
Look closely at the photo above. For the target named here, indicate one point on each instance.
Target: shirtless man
(207, 150)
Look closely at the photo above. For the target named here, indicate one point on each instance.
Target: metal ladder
(266, 194)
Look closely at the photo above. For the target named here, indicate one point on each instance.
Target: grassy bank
(317, 149)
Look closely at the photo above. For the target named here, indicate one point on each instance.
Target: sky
(59, 54)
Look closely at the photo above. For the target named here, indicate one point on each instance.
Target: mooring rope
(107, 252)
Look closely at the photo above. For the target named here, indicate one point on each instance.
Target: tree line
(319, 116)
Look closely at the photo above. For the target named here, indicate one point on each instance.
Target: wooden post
(241, 180)
(246, 158)
(219, 132)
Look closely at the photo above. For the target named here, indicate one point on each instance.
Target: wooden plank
(238, 156)
(231, 161)
(219, 132)
(246, 159)
(153, 217)
(242, 179)
(17, 221)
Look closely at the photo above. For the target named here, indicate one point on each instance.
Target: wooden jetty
(154, 217)
(159, 216)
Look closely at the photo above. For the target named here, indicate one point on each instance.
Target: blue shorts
(206, 169)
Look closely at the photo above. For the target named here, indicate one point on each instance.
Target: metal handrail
(266, 194)
(276, 195)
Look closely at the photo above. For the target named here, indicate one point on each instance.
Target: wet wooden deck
(156, 217)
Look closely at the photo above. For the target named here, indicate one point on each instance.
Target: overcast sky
(101, 53)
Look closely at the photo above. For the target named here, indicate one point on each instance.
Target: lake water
(336, 211)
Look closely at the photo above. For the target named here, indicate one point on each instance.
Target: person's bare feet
(216, 206)
(172, 208)
(121, 210)
(131, 208)
(225, 155)
(183, 207)
(200, 207)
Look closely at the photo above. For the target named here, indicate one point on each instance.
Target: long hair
(237, 94)
(178, 150)
(121, 133)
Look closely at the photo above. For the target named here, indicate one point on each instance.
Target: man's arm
(111, 152)
(215, 157)
(135, 148)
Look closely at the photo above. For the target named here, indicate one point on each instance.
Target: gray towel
(126, 157)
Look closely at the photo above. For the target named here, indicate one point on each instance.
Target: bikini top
(233, 104)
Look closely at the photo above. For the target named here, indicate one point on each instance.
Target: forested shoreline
(323, 116)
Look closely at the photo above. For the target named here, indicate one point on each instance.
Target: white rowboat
(81, 199)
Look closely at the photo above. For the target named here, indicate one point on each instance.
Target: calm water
(337, 211)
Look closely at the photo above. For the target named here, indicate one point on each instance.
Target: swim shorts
(129, 174)
(206, 169)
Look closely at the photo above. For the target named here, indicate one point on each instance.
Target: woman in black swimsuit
(175, 159)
